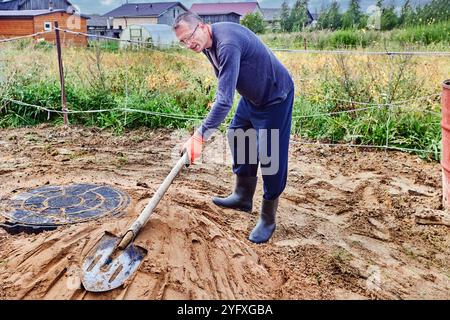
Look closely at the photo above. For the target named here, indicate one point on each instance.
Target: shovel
(114, 259)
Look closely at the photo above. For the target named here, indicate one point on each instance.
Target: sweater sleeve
(229, 57)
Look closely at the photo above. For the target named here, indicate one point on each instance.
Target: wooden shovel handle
(132, 232)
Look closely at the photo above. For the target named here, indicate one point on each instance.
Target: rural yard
(353, 223)
(97, 202)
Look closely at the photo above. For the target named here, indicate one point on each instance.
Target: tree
(351, 18)
(380, 4)
(334, 17)
(435, 11)
(323, 21)
(407, 15)
(374, 16)
(363, 20)
(330, 18)
(389, 19)
(299, 15)
(255, 22)
(285, 18)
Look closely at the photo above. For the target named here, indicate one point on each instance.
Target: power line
(379, 53)
(348, 52)
(361, 146)
(391, 103)
(188, 117)
(154, 113)
(24, 37)
(131, 41)
(395, 104)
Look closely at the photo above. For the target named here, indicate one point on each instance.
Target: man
(243, 63)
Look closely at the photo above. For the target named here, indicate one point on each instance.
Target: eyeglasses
(186, 42)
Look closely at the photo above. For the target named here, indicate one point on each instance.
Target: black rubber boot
(242, 196)
(266, 224)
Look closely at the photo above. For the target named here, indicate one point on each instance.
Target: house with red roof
(17, 23)
(210, 10)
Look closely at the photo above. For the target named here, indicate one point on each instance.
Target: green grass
(423, 35)
(48, 95)
(411, 128)
(105, 45)
(416, 37)
(394, 127)
(405, 129)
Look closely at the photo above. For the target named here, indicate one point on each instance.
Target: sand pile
(351, 224)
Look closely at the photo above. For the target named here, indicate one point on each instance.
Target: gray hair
(188, 17)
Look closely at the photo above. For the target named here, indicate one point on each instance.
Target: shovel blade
(105, 268)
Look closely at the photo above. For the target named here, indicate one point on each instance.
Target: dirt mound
(352, 223)
(189, 257)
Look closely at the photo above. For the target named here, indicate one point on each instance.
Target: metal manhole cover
(65, 204)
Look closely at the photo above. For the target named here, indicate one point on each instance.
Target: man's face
(193, 37)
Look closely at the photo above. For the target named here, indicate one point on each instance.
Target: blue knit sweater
(244, 63)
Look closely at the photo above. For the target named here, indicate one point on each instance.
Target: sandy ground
(352, 224)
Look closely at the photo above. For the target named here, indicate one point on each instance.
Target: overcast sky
(103, 6)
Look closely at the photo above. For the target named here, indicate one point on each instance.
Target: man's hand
(193, 147)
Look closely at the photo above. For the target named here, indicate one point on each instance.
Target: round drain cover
(68, 204)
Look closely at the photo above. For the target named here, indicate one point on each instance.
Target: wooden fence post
(61, 75)
(445, 161)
